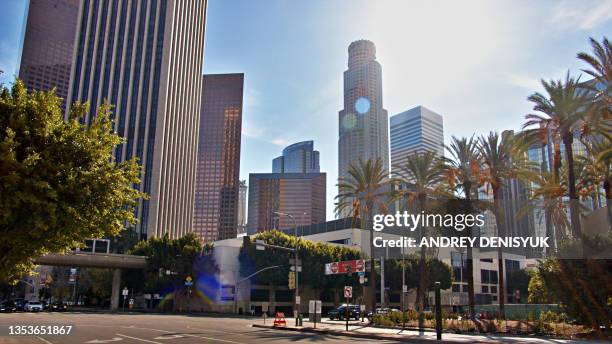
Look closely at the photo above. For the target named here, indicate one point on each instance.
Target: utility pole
(297, 284)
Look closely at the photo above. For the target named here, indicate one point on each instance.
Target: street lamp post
(297, 245)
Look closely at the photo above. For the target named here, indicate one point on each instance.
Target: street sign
(292, 262)
(348, 292)
(291, 280)
(292, 268)
(297, 300)
(405, 288)
(361, 279)
(259, 245)
(125, 291)
(345, 267)
(188, 281)
(264, 307)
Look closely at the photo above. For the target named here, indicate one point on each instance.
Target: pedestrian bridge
(93, 260)
(114, 261)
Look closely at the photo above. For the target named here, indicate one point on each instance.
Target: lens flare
(349, 121)
(362, 105)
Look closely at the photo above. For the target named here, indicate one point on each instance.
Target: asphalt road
(153, 328)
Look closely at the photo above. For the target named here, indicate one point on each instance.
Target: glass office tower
(145, 58)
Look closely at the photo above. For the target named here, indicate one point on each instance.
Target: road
(92, 328)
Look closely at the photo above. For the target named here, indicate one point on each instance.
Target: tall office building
(301, 195)
(48, 44)
(145, 58)
(218, 168)
(416, 130)
(363, 123)
(242, 207)
(297, 158)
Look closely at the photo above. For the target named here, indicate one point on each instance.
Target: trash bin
(300, 319)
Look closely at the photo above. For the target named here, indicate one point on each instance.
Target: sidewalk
(362, 330)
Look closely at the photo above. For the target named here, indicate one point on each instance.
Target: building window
(485, 289)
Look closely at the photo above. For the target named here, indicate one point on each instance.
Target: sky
(473, 62)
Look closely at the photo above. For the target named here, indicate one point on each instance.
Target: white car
(33, 306)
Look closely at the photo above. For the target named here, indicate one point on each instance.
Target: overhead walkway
(97, 260)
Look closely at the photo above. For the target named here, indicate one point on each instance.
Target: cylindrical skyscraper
(363, 123)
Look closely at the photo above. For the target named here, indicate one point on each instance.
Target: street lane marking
(136, 338)
(171, 336)
(44, 340)
(99, 341)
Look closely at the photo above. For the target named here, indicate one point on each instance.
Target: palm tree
(562, 111)
(463, 175)
(424, 173)
(500, 161)
(595, 171)
(600, 118)
(364, 191)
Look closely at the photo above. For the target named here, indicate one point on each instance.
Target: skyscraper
(242, 207)
(297, 158)
(301, 195)
(218, 168)
(416, 130)
(48, 44)
(145, 58)
(363, 123)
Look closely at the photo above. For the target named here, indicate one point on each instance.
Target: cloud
(525, 81)
(583, 15)
(279, 141)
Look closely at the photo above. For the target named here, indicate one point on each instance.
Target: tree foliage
(169, 262)
(59, 181)
(313, 255)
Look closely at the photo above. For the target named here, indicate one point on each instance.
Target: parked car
(33, 306)
(381, 311)
(20, 304)
(340, 313)
(58, 306)
(8, 306)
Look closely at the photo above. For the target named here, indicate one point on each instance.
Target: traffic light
(291, 280)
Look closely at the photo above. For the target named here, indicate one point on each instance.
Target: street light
(297, 245)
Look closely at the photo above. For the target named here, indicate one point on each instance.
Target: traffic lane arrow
(98, 341)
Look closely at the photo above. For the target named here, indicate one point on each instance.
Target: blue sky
(473, 62)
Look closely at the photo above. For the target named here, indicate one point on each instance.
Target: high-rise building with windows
(48, 45)
(218, 168)
(297, 158)
(242, 207)
(363, 123)
(145, 58)
(414, 131)
(302, 195)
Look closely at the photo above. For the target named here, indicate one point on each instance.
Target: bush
(382, 320)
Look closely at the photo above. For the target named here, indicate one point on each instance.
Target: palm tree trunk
(499, 221)
(547, 217)
(372, 279)
(470, 261)
(568, 139)
(608, 191)
(422, 272)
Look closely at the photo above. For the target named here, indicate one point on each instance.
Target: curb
(411, 339)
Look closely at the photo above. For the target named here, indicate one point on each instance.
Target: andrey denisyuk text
(459, 222)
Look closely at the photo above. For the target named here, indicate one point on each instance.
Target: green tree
(537, 290)
(500, 162)
(422, 173)
(364, 191)
(561, 113)
(313, 255)
(169, 262)
(463, 174)
(599, 119)
(59, 181)
(581, 286)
